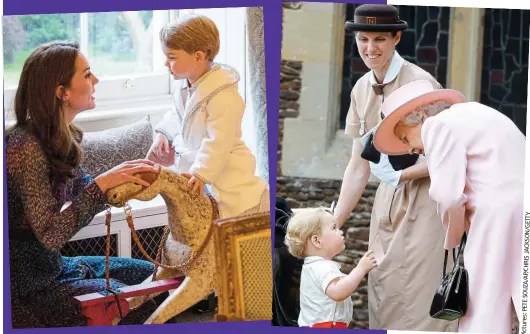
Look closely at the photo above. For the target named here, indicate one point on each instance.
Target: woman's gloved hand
(380, 165)
(385, 172)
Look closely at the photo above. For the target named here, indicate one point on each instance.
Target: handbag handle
(459, 257)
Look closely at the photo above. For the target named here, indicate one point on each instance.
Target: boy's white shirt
(204, 128)
(315, 305)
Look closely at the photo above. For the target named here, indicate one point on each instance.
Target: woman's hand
(385, 172)
(418, 171)
(124, 173)
(339, 219)
(161, 151)
(195, 183)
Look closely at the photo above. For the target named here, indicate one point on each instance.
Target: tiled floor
(193, 316)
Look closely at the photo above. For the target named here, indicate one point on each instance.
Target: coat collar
(393, 70)
(311, 259)
(192, 87)
(219, 77)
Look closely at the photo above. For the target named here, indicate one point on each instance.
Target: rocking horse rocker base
(101, 309)
(199, 254)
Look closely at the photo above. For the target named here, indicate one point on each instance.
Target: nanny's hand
(337, 214)
(161, 151)
(124, 173)
(367, 262)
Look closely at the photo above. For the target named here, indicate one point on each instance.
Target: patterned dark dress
(43, 283)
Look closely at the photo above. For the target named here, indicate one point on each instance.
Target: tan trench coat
(406, 233)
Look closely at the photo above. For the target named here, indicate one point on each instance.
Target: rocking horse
(185, 260)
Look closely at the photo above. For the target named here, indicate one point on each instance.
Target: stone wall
(290, 86)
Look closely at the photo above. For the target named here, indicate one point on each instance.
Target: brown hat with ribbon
(380, 18)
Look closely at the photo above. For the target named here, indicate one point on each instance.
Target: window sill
(110, 114)
(156, 206)
(111, 109)
(118, 113)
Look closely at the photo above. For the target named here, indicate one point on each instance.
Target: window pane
(23, 33)
(120, 43)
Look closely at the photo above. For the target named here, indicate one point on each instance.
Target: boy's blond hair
(192, 33)
(301, 227)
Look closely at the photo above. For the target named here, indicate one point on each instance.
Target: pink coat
(476, 160)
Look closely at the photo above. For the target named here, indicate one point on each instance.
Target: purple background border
(272, 19)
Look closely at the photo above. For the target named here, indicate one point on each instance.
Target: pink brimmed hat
(402, 102)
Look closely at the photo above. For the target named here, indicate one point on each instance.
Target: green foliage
(109, 37)
(44, 28)
(109, 34)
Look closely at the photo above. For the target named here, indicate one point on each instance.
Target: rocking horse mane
(118, 196)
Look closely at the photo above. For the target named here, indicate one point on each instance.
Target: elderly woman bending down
(475, 157)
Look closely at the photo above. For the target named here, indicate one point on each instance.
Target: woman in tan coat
(406, 234)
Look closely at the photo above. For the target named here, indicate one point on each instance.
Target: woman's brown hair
(39, 110)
